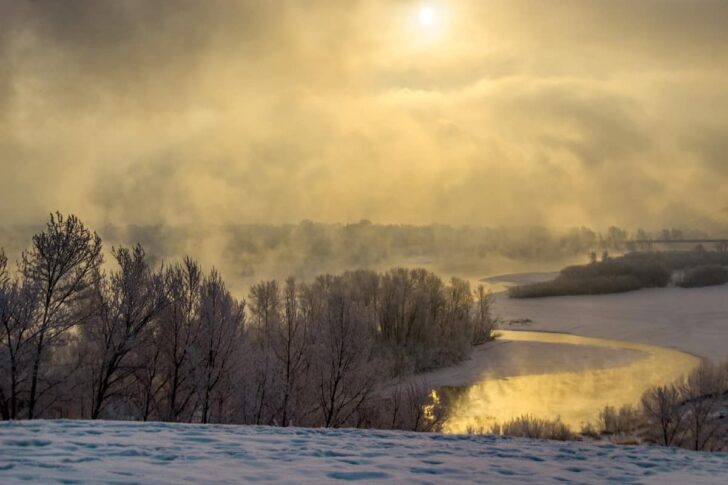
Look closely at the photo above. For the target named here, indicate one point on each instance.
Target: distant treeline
(633, 271)
(170, 342)
(248, 253)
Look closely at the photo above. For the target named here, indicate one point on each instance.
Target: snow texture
(125, 452)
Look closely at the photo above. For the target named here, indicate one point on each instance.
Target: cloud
(566, 112)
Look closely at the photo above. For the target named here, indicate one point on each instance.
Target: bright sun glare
(427, 16)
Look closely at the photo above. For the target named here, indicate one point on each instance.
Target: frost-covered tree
(177, 334)
(125, 306)
(483, 320)
(18, 304)
(701, 392)
(289, 348)
(664, 413)
(222, 320)
(62, 264)
(265, 310)
(342, 351)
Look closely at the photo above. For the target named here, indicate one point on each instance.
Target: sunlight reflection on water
(574, 397)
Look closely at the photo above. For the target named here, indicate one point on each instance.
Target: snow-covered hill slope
(121, 452)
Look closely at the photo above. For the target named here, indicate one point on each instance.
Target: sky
(481, 112)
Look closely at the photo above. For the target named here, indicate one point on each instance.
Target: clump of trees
(606, 276)
(689, 413)
(133, 340)
(706, 275)
(632, 271)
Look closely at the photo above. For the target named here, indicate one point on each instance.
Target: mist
(501, 217)
(559, 114)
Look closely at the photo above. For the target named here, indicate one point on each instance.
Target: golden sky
(490, 112)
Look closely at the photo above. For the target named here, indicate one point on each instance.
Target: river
(574, 396)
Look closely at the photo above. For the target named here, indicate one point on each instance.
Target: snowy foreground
(119, 452)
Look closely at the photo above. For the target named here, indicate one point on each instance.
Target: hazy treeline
(249, 253)
(170, 342)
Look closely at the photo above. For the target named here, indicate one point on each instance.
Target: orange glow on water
(574, 397)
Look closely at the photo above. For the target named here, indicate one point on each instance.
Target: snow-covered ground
(151, 453)
(693, 320)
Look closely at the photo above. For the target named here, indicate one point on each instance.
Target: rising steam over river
(576, 396)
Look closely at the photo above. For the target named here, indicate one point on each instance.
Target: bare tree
(700, 392)
(456, 328)
(408, 400)
(664, 413)
(124, 308)
(343, 348)
(289, 346)
(222, 319)
(265, 308)
(484, 323)
(62, 263)
(17, 312)
(4, 278)
(411, 308)
(147, 382)
(178, 332)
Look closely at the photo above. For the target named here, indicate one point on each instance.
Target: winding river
(574, 396)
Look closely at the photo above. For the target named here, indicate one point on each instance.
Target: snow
(156, 453)
(693, 320)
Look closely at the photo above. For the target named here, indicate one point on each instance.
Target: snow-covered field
(122, 452)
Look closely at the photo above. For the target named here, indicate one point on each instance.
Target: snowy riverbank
(692, 320)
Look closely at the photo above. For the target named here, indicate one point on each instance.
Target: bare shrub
(408, 407)
(664, 414)
(701, 392)
(689, 414)
(625, 420)
(528, 426)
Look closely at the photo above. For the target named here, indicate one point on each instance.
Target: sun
(428, 25)
(427, 16)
